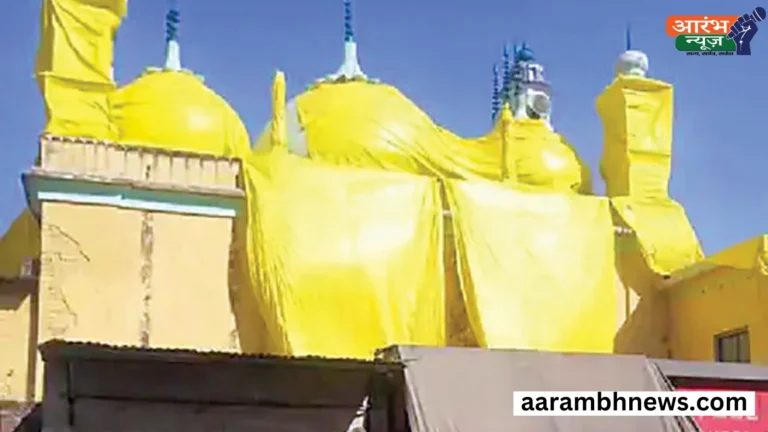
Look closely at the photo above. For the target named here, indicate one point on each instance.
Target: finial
(507, 74)
(495, 100)
(172, 47)
(631, 62)
(350, 68)
(349, 32)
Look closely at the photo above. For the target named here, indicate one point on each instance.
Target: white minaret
(529, 91)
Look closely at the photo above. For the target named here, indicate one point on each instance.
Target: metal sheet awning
(460, 389)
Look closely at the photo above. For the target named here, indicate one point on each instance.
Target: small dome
(632, 63)
(525, 55)
(174, 110)
(545, 159)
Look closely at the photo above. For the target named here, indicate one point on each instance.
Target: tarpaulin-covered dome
(366, 124)
(360, 123)
(349, 119)
(175, 110)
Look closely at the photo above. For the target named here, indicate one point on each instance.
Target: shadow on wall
(643, 309)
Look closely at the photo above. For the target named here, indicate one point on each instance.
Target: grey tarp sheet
(470, 390)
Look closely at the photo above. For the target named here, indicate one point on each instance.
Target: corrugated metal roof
(712, 370)
(100, 351)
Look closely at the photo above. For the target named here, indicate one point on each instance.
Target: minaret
(496, 98)
(350, 68)
(172, 47)
(530, 93)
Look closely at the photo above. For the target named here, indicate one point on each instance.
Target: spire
(496, 98)
(349, 32)
(507, 76)
(172, 47)
(631, 62)
(350, 68)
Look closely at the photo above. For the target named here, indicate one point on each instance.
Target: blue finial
(172, 21)
(507, 74)
(349, 34)
(628, 38)
(496, 99)
(172, 48)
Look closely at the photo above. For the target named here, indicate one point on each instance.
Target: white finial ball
(632, 63)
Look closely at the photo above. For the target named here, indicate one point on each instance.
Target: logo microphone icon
(758, 14)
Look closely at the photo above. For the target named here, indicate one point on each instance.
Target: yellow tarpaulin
(666, 237)
(176, 111)
(342, 261)
(637, 127)
(74, 65)
(537, 270)
(21, 241)
(375, 126)
(544, 159)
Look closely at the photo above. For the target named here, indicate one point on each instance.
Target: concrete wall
(18, 339)
(131, 277)
(715, 302)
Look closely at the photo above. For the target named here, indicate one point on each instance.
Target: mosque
(353, 221)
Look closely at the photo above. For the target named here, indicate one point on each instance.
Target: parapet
(156, 168)
(96, 172)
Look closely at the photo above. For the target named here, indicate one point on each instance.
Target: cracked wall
(130, 277)
(89, 275)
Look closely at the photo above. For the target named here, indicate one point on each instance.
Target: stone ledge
(84, 157)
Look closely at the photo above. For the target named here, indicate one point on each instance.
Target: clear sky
(440, 54)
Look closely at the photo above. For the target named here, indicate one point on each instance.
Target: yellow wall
(18, 336)
(190, 306)
(714, 302)
(137, 278)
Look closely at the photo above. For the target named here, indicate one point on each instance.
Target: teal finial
(349, 32)
(350, 67)
(496, 98)
(172, 47)
(507, 74)
(628, 38)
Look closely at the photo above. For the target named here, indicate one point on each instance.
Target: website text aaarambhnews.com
(600, 403)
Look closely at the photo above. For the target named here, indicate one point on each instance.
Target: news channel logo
(716, 35)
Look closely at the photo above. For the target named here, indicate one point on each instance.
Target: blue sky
(440, 54)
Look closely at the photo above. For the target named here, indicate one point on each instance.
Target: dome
(359, 120)
(372, 125)
(375, 126)
(174, 110)
(545, 159)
